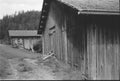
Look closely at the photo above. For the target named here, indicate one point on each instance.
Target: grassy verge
(4, 68)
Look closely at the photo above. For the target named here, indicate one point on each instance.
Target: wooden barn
(84, 34)
(24, 38)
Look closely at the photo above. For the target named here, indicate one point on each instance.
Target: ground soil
(16, 64)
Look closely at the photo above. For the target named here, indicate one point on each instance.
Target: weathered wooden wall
(24, 42)
(103, 47)
(54, 35)
(76, 41)
(89, 43)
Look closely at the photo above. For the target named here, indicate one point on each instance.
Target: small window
(52, 30)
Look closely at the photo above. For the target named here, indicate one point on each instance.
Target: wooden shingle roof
(97, 7)
(109, 6)
(23, 33)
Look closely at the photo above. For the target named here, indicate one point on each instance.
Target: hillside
(19, 21)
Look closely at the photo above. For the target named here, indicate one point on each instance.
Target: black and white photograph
(59, 39)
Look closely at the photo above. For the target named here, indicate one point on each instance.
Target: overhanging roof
(101, 7)
(94, 6)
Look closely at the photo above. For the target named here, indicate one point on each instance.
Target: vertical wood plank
(68, 51)
(43, 45)
(88, 53)
(65, 45)
(93, 69)
(60, 44)
(72, 59)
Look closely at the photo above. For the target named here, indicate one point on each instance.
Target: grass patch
(4, 68)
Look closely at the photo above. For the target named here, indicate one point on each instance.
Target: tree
(22, 21)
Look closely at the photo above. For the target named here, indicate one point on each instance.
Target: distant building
(84, 34)
(24, 38)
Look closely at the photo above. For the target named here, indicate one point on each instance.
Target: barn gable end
(87, 38)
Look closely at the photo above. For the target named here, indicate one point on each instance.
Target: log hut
(84, 34)
(24, 39)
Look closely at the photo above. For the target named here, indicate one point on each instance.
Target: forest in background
(19, 21)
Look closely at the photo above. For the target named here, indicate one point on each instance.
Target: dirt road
(19, 65)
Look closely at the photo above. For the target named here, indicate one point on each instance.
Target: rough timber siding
(66, 38)
(91, 41)
(54, 35)
(103, 47)
(23, 42)
(93, 45)
(18, 42)
(29, 42)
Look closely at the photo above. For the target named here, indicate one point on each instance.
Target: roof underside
(94, 5)
(24, 33)
(101, 7)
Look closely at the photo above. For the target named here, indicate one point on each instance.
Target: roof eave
(96, 12)
(44, 15)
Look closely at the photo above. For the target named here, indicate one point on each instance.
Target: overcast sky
(10, 6)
